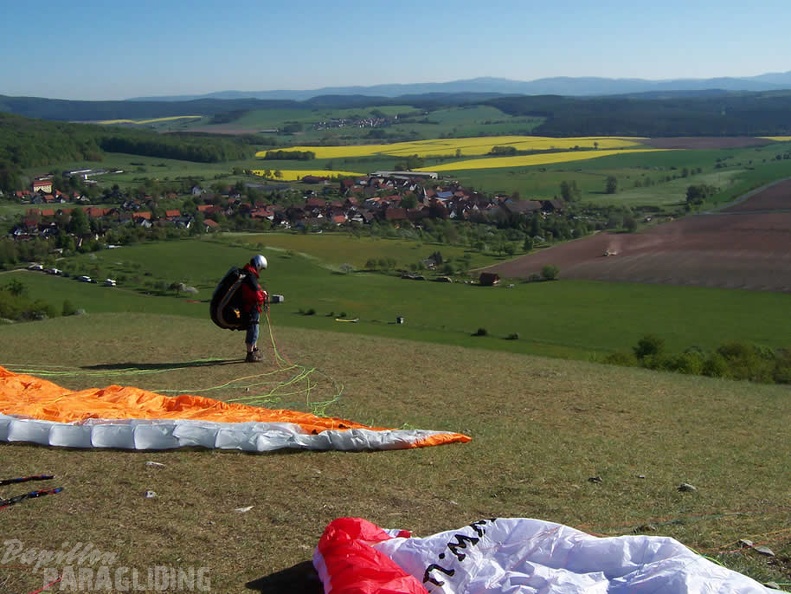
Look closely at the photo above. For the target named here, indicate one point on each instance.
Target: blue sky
(118, 49)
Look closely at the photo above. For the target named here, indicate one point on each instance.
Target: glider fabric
(510, 555)
(37, 411)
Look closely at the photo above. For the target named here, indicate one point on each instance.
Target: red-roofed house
(96, 212)
(42, 185)
(395, 214)
(315, 202)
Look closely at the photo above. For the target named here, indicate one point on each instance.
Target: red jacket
(253, 295)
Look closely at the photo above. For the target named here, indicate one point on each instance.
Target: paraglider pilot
(254, 300)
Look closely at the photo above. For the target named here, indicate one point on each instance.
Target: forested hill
(26, 142)
(93, 111)
(708, 114)
(699, 113)
(96, 111)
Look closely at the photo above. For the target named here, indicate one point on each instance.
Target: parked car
(110, 282)
(55, 271)
(35, 266)
(84, 279)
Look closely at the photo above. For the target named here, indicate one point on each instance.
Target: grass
(568, 319)
(335, 249)
(541, 428)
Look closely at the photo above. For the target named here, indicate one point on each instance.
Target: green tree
(16, 287)
(409, 201)
(411, 163)
(611, 185)
(649, 345)
(569, 191)
(79, 225)
(550, 272)
(502, 151)
(698, 194)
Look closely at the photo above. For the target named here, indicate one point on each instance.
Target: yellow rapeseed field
(531, 160)
(466, 147)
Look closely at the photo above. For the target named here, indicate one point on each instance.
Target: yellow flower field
(778, 138)
(452, 147)
(531, 160)
(298, 174)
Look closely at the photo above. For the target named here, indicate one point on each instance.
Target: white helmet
(258, 262)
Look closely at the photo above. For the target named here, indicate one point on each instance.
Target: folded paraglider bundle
(513, 555)
(226, 302)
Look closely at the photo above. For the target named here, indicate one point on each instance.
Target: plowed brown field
(744, 246)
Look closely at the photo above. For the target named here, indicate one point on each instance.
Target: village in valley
(397, 198)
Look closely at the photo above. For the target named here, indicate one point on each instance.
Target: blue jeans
(252, 327)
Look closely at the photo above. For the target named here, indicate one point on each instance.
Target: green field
(568, 319)
(415, 124)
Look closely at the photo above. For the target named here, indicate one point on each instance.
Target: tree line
(26, 143)
(705, 113)
(715, 113)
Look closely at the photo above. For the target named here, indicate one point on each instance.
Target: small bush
(659, 362)
(310, 312)
(481, 332)
(513, 336)
(782, 368)
(649, 345)
(68, 308)
(689, 362)
(622, 358)
(550, 272)
(715, 365)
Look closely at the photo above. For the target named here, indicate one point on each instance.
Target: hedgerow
(731, 360)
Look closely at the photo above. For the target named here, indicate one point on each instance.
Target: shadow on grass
(155, 366)
(299, 579)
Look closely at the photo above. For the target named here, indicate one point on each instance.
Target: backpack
(226, 302)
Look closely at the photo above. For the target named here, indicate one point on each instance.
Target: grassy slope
(570, 319)
(540, 428)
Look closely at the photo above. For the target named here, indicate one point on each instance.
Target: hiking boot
(254, 357)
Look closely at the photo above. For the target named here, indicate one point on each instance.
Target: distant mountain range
(566, 86)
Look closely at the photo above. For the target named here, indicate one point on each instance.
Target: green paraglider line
(287, 388)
